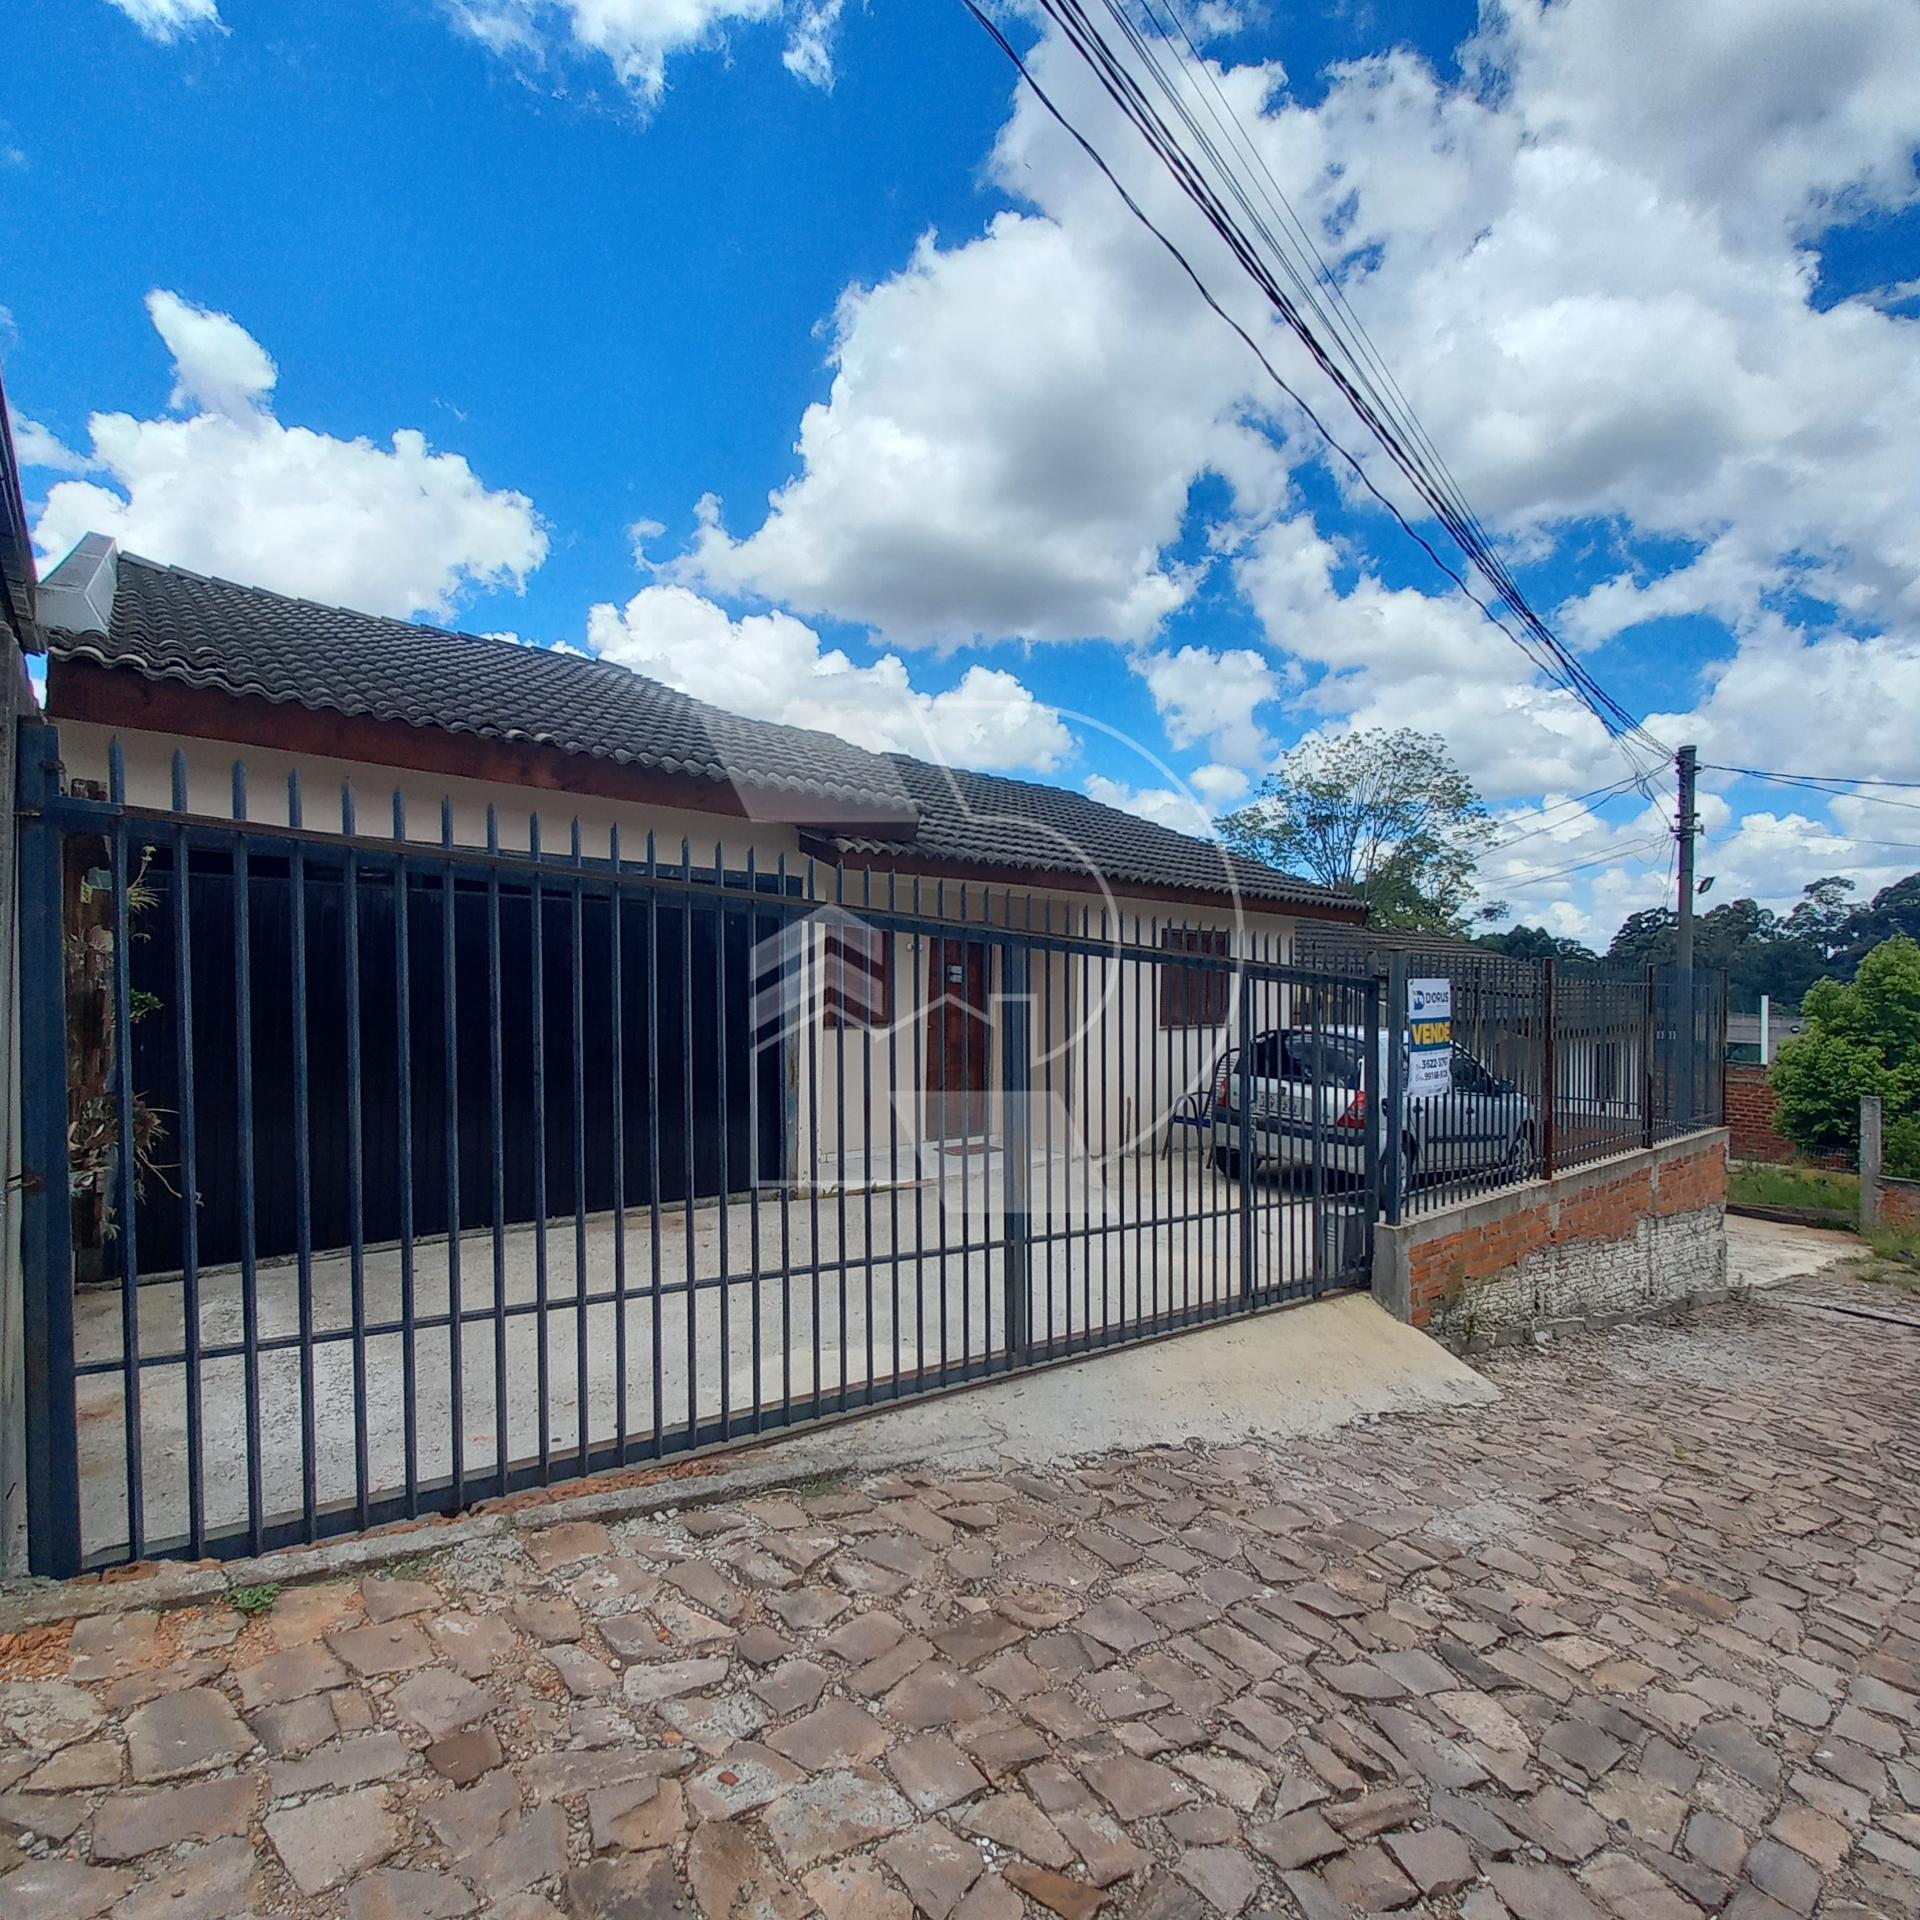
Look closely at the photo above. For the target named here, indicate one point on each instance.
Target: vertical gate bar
(302, 1161)
(617, 1038)
(813, 1003)
(726, 1127)
(1395, 1169)
(537, 993)
(243, 1115)
(126, 1159)
(1136, 976)
(1370, 1085)
(456, 1294)
(1046, 1054)
(189, 1160)
(966, 1127)
(866, 1130)
(1248, 1134)
(1320, 1109)
(919, 963)
(751, 1046)
(789, 1164)
(54, 1532)
(1116, 1089)
(653, 1134)
(356, 1182)
(1108, 1184)
(580, 1160)
(890, 963)
(1016, 1081)
(403, 1074)
(497, 1157)
(837, 994)
(1549, 1071)
(686, 1133)
(1084, 1046)
(941, 947)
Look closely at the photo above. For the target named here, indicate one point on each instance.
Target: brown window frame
(1195, 996)
(870, 949)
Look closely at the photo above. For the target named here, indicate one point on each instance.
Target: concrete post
(1869, 1162)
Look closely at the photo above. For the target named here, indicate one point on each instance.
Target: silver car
(1309, 1102)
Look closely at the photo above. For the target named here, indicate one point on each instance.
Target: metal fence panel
(415, 1172)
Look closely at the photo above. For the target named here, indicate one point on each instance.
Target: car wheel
(1226, 1161)
(1409, 1161)
(1520, 1154)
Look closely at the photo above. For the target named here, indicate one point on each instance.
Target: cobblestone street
(1641, 1639)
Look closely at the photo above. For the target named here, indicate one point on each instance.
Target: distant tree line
(1824, 936)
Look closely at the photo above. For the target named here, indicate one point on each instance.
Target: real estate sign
(1430, 1038)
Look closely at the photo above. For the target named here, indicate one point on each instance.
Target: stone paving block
(531, 1847)
(745, 1777)
(439, 1701)
(1435, 1859)
(855, 1890)
(832, 1814)
(835, 1734)
(127, 1825)
(463, 1757)
(407, 1893)
(386, 1599)
(324, 1843)
(211, 1883)
(397, 1647)
(181, 1733)
(357, 1761)
(60, 1890)
(936, 1867)
(291, 1675)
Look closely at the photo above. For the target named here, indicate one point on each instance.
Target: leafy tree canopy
(1384, 814)
(1861, 1038)
(1536, 943)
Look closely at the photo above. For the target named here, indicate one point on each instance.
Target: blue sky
(922, 439)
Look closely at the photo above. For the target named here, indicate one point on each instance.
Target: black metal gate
(371, 1175)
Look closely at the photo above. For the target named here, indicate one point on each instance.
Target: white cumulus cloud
(638, 37)
(166, 20)
(227, 489)
(771, 666)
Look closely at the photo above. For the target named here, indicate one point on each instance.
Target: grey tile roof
(987, 820)
(168, 624)
(173, 625)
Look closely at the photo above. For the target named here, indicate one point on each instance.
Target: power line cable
(1384, 419)
(1608, 859)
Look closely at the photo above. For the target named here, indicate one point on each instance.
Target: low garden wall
(1623, 1236)
(1900, 1204)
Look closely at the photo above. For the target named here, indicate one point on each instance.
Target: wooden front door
(959, 1039)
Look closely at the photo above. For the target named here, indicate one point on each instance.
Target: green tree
(1536, 943)
(1893, 910)
(1386, 815)
(1860, 1039)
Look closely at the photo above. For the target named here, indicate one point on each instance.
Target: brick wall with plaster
(1627, 1235)
(1750, 1110)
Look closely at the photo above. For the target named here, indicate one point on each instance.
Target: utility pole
(1687, 826)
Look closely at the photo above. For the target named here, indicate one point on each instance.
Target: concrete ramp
(1304, 1371)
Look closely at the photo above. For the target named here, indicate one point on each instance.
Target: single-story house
(450, 737)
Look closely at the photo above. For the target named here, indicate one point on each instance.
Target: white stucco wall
(1103, 1011)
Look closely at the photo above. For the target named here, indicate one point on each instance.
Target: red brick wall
(1572, 1208)
(1900, 1204)
(1750, 1105)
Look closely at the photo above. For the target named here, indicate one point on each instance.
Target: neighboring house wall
(1751, 1105)
(1624, 1236)
(1115, 1070)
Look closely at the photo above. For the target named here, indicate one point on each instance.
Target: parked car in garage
(1309, 1101)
